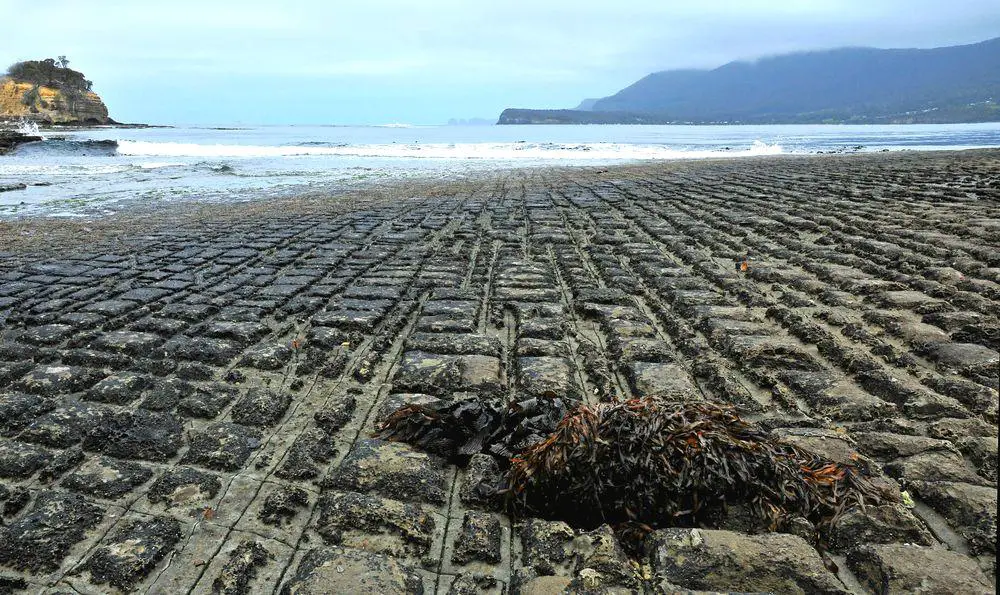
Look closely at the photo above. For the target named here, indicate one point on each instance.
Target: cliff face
(52, 106)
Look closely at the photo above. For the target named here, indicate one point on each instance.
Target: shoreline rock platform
(188, 394)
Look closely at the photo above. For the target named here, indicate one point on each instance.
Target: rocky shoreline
(189, 394)
(10, 139)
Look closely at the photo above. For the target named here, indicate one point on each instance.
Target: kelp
(460, 429)
(640, 464)
(671, 464)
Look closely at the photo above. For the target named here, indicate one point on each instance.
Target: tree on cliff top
(50, 73)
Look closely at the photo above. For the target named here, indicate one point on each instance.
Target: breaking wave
(488, 151)
(69, 147)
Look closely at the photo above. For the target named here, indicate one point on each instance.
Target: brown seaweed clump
(643, 464)
(670, 464)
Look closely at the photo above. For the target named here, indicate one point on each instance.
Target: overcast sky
(425, 61)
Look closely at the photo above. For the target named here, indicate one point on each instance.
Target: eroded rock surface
(192, 408)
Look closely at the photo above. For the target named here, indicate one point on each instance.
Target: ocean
(98, 171)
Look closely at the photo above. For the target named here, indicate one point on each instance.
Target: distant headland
(841, 86)
(49, 92)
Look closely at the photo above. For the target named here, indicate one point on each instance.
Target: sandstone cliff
(52, 106)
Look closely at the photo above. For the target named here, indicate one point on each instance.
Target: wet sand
(188, 393)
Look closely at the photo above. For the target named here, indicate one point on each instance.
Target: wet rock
(976, 397)
(260, 407)
(268, 356)
(12, 370)
(14, 499)
(987, 335)
(160, 325)
(189, 312)
(223, 446)
(529, 582)
(349, 320)
(982, 451)
(888, 446)
(933, 466)
(108, 478)
(182, 485)
(242, 333)
(829, 444)
(926, 405)
(886, 523)
(364, 305)
(479, 539)
(241, 568)
(454, 344)
(82, 320)
(900, 568)
(20, 460)
(391, 469)
(345, 570)
(917, 333)
(962, 356)
(474, 584)
(629, 349)
(194, 371)
(599, 555)
(546, 377)
(547, 546)
(375, 292)
(540, 328)
(445, 324)
(54, 380)
(138, 434)
(458, 309)
(629, 328)
(970, 508)
(129, 342)
(440, 374)
(65, 426)
(527, 347)
(956, 429)
(709, 560)
(201, 349)
(481, 482)
(12, 584)
(48, 334)
(207, 403)
(61, 463)
(17, 410)
(335, 365)
(335, 415)
(329, 338)
(166, 394)
(907, 299)
(119, 389)
(144, 295)
(666, 381)
(376, 524)
(132, 552)
(310, 449)
(771, 353)
(40, 539)
(282, 504)
(397, 401)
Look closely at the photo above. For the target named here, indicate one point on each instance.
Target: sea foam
(517, 151)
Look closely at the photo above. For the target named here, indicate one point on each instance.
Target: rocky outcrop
(9, 139)
(52, 106)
